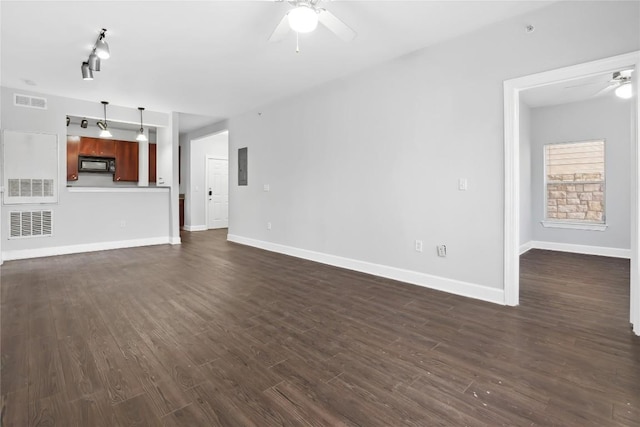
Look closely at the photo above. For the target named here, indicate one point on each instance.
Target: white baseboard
(466, 289)
(175, 240)
(89, 247)
(195, 227)
(525, 247)
(581, 249)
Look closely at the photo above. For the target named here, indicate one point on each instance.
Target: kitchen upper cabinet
(73, 149)
(126, 154)
(97, 147)
(152, 163)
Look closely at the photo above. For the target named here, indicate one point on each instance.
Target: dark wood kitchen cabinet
(126, 154)
(152, 163)
(73, 149)
(97, 147)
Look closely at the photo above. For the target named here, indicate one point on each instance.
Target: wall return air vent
(29, 101)
(30, 224)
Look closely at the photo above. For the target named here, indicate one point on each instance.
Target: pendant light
(141, 136)
(103, 125)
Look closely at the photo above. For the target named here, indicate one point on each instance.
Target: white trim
(526, 247)
(175, 241)
(466, 289)
(206, 188)
(574, 225)
(195, 228)
(118, 189)
(582, 249)
(512, 89)
(88, 247)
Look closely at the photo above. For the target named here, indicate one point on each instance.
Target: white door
(217, 193)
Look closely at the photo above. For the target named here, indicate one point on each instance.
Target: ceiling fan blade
(606, 89)
(281, 30)
(583, 84)
(335, 25)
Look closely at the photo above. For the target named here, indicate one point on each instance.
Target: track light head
(87, 74)
(84, 123)
(102, 48)
(94, 61)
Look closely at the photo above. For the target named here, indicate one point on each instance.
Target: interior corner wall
(216, 145)
(526, 226)
(362, 167)
(608, 118)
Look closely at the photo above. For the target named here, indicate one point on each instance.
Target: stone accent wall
(574, 197)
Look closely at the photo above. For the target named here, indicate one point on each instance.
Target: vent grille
(29, 101)
(30, 224)
(30, 188)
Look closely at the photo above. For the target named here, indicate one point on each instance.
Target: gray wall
(607, 118)
(526, 226)
(361, 167)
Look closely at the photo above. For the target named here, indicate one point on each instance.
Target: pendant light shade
(141, 136)
(303, 19)
(87, 74)
(94, 62)
(105, 130)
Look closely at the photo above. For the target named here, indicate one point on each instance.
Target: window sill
(574, 225)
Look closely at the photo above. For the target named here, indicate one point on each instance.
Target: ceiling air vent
(29, 101)
(30, 224)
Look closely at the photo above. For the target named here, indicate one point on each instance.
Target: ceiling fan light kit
(624, 91)
(303, 19)
(100, 51)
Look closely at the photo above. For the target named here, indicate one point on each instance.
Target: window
(575, 183)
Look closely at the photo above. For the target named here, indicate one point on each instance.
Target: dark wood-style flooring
(213, 333)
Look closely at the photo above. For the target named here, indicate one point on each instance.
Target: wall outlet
(442, 250)
(268, 226)
(462, 184)
(266, 187)
(418, 245)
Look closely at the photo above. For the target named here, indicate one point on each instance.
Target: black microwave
(96, 164)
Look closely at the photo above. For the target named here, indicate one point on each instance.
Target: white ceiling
(212, 58)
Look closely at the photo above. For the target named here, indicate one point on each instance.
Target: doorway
(217, 191)
(512, 92)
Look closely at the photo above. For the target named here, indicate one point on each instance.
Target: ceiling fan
(304, 18)
(620, 81)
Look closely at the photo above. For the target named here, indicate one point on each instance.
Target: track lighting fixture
(103, 125)
(84, 123)
(141, 136)
(87, 74)
(100, 51)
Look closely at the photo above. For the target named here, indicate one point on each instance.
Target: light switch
(462, 184)
(266, 187)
